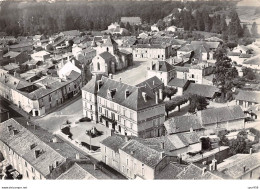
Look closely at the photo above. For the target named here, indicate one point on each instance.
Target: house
(207, 91)
(129, 110)
(238, 57)
(136, 158)
(241, 166)
(161, 69)
(253, 63)
(183, 124)
(223, 118)
(40, 56)
(179, 84)
(83, 171)
(11, 68)
(246, 99)
(84, 55)
(194, 172)
(113, 26)
(154, 83)
(27, 153)
(21, 47)
(171, 29)
(242, 49)
(131, 20)
(110, 59)
(151, 51)
(15, 57)
(41, 96)
(154, 28)
(143, 35)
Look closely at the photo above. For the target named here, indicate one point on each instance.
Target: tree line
(20, 18)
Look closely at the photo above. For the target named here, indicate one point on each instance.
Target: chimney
(77, 156)
(37, 153)
(127, 93)
(95, 167)
(120, 79)
(111, 76)
(99, 84)
(156, 98)
(132, 152)
(204, 170)
(153, 82)
(191, 130)
(15, 132)
(211, 167)
(162, 145)
(157, 66)
(162, 154)
(50, 168)
(250, 151)
(214, 164)
(160, 94)
(55, 140)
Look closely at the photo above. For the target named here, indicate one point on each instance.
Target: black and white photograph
(117, 90)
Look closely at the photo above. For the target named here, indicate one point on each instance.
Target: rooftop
(249, 96)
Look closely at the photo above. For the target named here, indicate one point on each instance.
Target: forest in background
(20, 18)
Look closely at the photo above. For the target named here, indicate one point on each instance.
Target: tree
(197, 103)
(225, 73)
(174, 102)
(169, 92)
(122, 25)
(246, 32)
(248, 73)
(254, 30)
(240, 144)
(223, 139)
(206, 144)
(128, 26)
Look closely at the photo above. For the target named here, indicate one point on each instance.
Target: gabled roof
(83, 171)
(106, 55)
(21, 143)
(170, 171)
(92, 85)
(139, 97)
(110, 42)
(143, 153)
(187, 48)
(234, 166)
(114, 142)
(152, 83)
(193, 172)
(176, 82)
(207, 91)
(222, 114)
(163, 66)
(11, 54)
(249, 96)
(180, 124)
(11, 66)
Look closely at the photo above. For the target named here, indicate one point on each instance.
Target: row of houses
(38, 155)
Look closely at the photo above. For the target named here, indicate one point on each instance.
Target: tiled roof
(245, 56)
(12, 54)
(170, 171)
(151, 46)
(143, 153)
(152, 82)
(92, 85)
(114, 142)
(230, 53)
(186, 48)
(193, 172)
(249, 96)
(254, 60)
(21, 143)
(222, 114)
(181, 69)
(235, 169)
(11, 66)
(207, 91)
(83, 171)
(106, 55)
(134, 101)
(163, 66)
(181, 124)
(20, 45)
(176, 82)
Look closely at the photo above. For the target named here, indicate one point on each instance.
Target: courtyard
(133, 75)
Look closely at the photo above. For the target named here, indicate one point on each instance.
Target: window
(41, 177)
(119, 119)
(98, 66)
(100, 109)
(25, 163)
(91, 107)
(142, 171)
(32, 170)
(131, 125)
(126, 161)
(124, 122)
(123, 169)
(131, 115)
(105, 149)
(27, 174)
(124, 111)
(112, 116)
